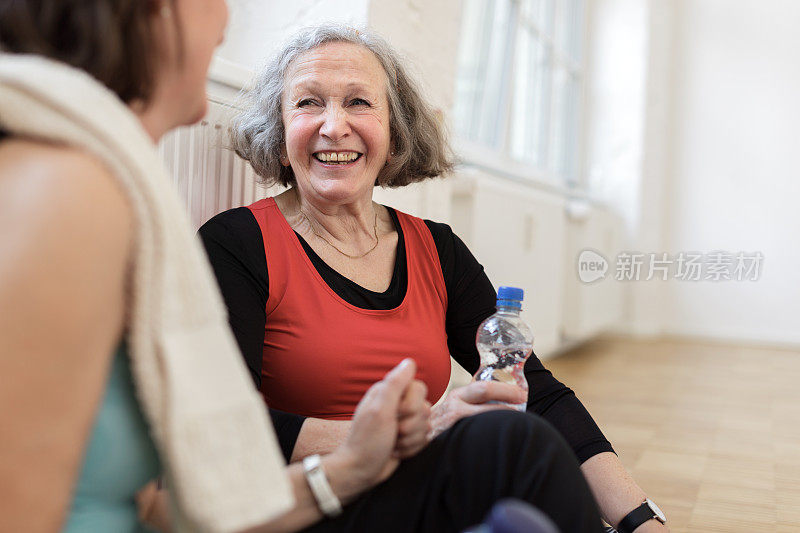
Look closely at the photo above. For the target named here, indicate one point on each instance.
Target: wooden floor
(711, 432)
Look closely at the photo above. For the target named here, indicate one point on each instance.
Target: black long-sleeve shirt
(235, 247)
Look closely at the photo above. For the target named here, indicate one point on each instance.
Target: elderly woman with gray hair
(327, 290)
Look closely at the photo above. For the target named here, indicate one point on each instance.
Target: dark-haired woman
(115, 358)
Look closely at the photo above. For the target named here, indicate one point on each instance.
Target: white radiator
(209, 176)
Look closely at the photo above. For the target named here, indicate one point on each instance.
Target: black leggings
(453, 483)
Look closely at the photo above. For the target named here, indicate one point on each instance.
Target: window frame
(500, 161)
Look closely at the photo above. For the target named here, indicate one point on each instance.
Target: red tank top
(321, 353)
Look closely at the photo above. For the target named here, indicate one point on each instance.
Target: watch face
(660, 516)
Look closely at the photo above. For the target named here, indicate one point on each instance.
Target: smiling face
(336, 120)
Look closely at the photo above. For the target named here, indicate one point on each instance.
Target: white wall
(426, 34)
(735, 178)
(616, 76)
(626, 108)
(693, 137)
(646, 310)
(257, 27)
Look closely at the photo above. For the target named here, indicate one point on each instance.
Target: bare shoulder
(31, 154)
(65, 246)
(58, 184)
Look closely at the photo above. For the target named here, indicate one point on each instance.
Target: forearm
(342, 470)
(306, 511)
(616, 492)
(319, 436)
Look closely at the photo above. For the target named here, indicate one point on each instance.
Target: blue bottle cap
(510, 293)
(510, 297)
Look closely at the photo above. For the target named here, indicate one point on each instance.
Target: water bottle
(504, 342)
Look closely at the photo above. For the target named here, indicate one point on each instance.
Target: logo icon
(591, 266)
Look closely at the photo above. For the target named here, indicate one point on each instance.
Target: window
(518, 89)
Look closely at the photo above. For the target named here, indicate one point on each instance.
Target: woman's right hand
(370, 446)
(471, 400)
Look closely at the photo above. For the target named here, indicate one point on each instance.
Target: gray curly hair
(420, 146)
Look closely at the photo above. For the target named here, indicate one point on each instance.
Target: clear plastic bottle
(504, 342)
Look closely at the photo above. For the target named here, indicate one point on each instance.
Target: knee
(513, 423)
(518, 433)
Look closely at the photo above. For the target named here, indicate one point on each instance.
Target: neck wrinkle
(351, 224)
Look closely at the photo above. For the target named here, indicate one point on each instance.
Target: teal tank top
(120, 459)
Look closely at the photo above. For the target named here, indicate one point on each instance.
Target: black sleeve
(470, 300)
(235, 249)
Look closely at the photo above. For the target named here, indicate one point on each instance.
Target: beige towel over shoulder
(209, 424)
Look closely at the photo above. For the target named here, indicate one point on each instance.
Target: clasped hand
(392, 422)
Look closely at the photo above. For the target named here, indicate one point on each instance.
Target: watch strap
(636, 518)
(327, 501)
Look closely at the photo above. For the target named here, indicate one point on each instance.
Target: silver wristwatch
(327, 501)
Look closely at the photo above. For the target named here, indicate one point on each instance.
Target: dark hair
(110, 39)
